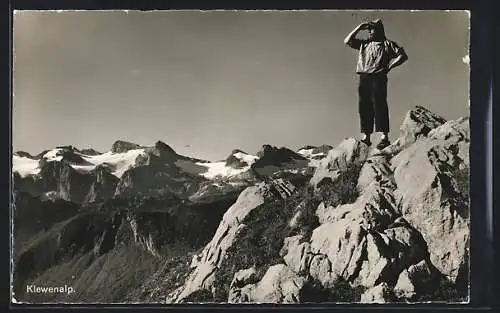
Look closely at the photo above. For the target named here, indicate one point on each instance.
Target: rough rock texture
(413, 280)
(120, 146)
(279, 285)
(24, 154)
(347, 251)
(71, 157)
(404, 287)
(377, 294)
(244, 277)
(205, 263)
(429, 195)
(69, 184)
(322, 149)
(61, 179)
(356, 241)
(348, 153)
(417, 123)
(90, 151)
(316, 153)
(103, 187)
(234, 162)
(272, 159)
(156, 174)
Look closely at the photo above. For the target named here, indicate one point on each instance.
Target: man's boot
(384, 142)
(366, 140)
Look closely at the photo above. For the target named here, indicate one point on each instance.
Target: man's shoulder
(392, 43)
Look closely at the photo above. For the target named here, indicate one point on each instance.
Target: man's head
(376, 30)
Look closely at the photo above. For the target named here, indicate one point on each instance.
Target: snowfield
(25, 166)
(219, 169)
(119, 162)
(52, 155)
(315, 158)
(309, 153)
(250, 159)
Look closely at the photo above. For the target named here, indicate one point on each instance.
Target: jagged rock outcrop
(41, 154)
(413, 280)
(377, 294)
(272, 159)
(205, 264)
(69, 184)
(341, 251)
(90, 151)
(157, 172)
(103, 186)
(58, 179)
(279, 285)
(157, 178)
(121, 146)
(348, 153)
(417, 123)
(209, 190)
(428, 175)
(24, 154)
(69, 156)
(162, 151)
(236, 159)
(241, 278)
(315, 153)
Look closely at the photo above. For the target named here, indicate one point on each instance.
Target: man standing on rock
(377, 56)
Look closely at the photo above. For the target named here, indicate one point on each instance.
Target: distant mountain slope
(87, 175)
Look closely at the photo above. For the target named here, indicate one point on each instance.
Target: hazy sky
(209, 82)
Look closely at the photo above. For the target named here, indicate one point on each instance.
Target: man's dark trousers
(372, 93)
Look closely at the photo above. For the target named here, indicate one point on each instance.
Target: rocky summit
(341, 223)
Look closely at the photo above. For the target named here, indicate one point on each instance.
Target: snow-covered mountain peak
(118, 162)
(121, 146)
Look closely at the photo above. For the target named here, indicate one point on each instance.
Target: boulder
(413, 280)
(377, 294)
(279, 285)
(296, 254)
(427, 175)
(348, 153)
(339, 241)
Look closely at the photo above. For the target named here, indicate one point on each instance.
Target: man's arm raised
(351, 39)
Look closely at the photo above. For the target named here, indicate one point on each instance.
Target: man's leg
(365, 106)
(381, 110)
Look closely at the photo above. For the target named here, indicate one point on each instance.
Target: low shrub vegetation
(343, 190)
(314, 292)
